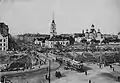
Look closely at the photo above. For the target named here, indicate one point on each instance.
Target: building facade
(52, 42)
(20, 37)
(79, 36)
(33, 38)
(39, 41)
(4, 37)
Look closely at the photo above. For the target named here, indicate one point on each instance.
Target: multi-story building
(4, 37)
(55, 40)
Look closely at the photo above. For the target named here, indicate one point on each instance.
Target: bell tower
(53, 28)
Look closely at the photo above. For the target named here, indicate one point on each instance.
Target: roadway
(30, 74)
(54, 66)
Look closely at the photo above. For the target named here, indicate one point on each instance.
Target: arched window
(66, 43)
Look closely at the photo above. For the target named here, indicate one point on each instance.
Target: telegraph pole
(101, 56)
(49, 69)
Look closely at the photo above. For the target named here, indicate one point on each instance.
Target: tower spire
(53, 27)
(53, 18)
(53, 15)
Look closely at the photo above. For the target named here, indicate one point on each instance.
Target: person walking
(100, 65)
(86, 73)
(113, 69)
(118, 78)
(111, 66)
(89, 81)
(46, 77)
(56, 73)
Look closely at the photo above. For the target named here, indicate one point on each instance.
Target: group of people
(58, 74)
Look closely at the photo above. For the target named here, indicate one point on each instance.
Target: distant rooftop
(57, 38)
(79, 35)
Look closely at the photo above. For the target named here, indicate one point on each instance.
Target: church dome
(98, 31)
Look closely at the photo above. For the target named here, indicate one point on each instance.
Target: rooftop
(57, 38)
(79, 35)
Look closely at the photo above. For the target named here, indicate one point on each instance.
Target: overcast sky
(34, 16)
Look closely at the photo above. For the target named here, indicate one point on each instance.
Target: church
(93, 34)
(89, 35)
(54, 38)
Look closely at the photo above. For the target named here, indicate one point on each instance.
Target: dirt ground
(95, 74)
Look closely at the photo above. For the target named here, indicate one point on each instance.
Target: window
(0, 48)
(4, 40)
(4, 48)
(66, 43)
(0, 40)
(0, 44)
(4, 44)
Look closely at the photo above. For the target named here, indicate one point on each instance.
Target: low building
(20, 37)
(38, 41)
(3, 66)
(109, 36)
(4, 37)
(79, 36)
(119, 35)
(54, 41)
(66, 35)
(30, 38)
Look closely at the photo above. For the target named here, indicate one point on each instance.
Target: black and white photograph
(59, 41)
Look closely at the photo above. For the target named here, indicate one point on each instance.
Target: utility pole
(49, 69)
(73, 52)
(4, 78)
(101, 56)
